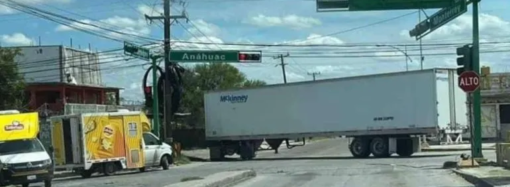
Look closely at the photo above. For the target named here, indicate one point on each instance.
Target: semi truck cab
(23, 159)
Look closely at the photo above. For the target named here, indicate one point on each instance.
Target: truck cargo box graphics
(19, 126)
(104, 137)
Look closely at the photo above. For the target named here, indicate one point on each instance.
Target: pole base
(468, 163)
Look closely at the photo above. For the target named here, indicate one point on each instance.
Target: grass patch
(181, 160)
(191, 179)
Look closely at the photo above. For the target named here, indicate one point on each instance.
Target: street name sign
(367, 5)
(469, 81)
(137, 51)
(446, 15)
(439, 19)
(204, 56)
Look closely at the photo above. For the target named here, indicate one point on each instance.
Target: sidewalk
(457, 147)
(487, 176)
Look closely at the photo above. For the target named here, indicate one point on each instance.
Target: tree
(12, 84)
(253, 83)
(208, 77)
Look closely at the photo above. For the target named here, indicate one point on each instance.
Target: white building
(57, 63)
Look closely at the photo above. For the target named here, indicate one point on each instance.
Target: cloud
(7, 10)
(16, 39)
(150, 11)
(316, 39)
(291, 21)
(200, 28)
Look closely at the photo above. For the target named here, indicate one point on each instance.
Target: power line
(44, 14)
(371, 56)
(78, 57)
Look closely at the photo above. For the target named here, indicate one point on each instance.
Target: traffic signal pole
(155, 97)
(477, 125)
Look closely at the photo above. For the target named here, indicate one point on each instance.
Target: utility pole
(283, 64)
(313, 74)
(167, 18)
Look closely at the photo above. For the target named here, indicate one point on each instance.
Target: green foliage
(12, 85)
(207, 77)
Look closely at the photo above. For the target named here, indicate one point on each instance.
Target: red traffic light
(247, 56)
(148, 89)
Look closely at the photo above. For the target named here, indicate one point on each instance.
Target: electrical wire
(44, 14)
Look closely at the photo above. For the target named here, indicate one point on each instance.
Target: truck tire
(86, 173)
(405, 147)
(47, 183)
(165, 162)
(25, 185)
(379, 147)
(359, 147)
(109, 168)
(247, 151)
(216, 153)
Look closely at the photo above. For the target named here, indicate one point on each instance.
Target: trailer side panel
(374, 104)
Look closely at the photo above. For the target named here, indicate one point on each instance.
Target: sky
(360, 43)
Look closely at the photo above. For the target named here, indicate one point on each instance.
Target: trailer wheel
(247, 151)
(405, 147)
(216, 153)
(379, 147)
(359, 148)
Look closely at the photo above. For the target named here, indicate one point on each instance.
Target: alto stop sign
(469, 81)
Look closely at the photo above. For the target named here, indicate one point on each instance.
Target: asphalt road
(323, 163)
(331, 165)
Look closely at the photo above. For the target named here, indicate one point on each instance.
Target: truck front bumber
(14, 174)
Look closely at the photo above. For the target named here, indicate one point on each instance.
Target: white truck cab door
(150, 149)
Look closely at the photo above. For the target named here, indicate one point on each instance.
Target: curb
(450, 149)
(473, 180)
(63, 175)
(221, 179)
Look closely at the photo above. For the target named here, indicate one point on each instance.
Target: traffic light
(251, 56)
(419, 29)
(465, 60)
(147, 91)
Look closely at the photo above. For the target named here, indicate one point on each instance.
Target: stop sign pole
(469, 82)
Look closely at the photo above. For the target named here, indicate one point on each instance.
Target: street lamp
(402, 51)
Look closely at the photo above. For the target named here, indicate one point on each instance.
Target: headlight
(47, 162)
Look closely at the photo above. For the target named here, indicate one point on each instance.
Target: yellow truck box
(89, 139)
(19, 126)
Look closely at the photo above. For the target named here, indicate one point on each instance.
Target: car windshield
(20, 146)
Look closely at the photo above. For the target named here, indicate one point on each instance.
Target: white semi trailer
(383, 113)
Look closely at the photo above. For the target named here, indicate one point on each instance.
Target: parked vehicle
(23, 159)
(383, 113)
(107, 142)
